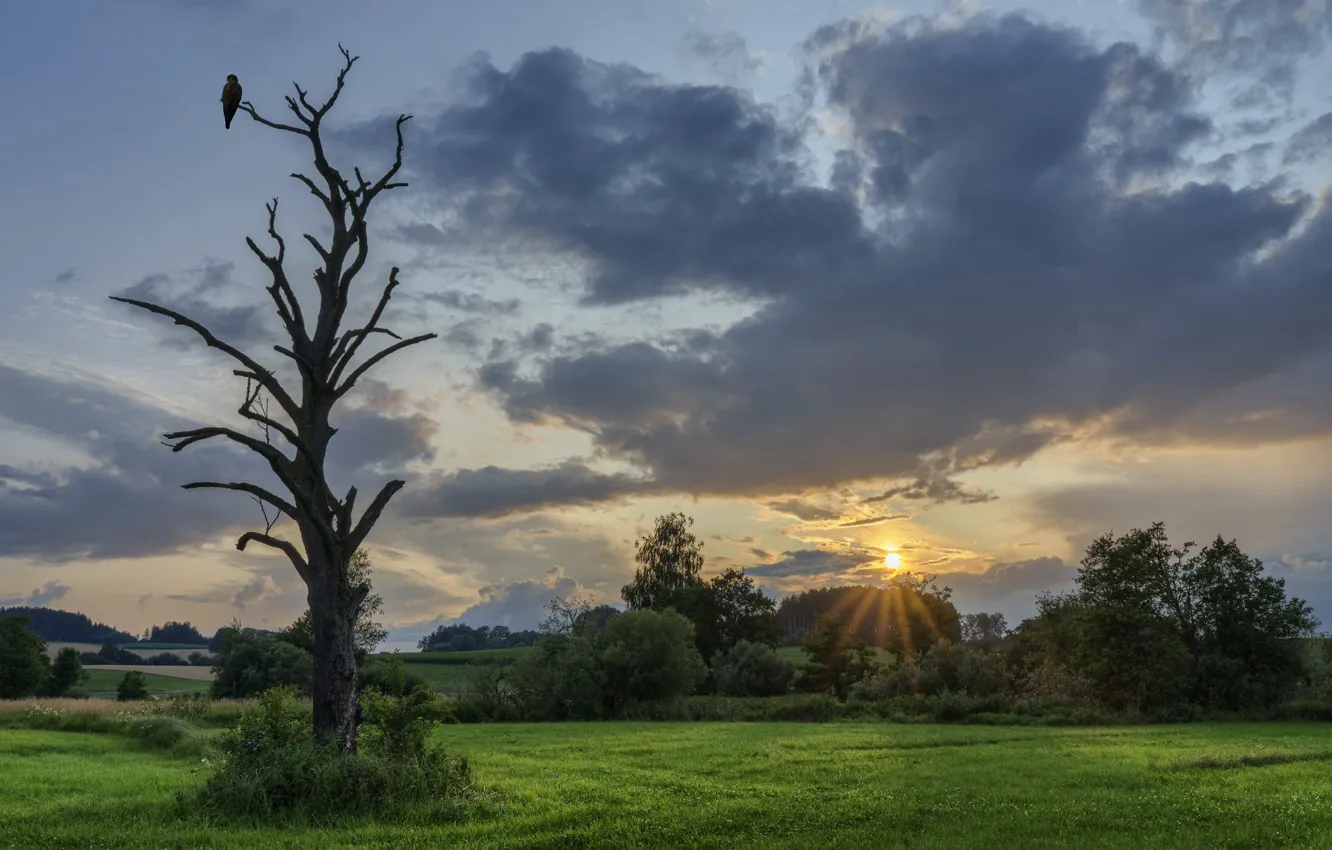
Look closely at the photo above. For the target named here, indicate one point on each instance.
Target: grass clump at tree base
(271, 768)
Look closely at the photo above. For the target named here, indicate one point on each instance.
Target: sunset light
(892, 561)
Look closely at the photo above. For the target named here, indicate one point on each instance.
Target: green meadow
(747, 785)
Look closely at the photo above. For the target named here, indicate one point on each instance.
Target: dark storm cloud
(492, 491)
(127, 502)
(978, 283)
(809, 563)
(241, 326)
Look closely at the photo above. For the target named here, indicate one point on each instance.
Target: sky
(947, 287)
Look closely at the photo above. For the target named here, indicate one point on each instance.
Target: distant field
(743, 785)
(447, 672)
(102, 681)
(162, 647)
(180, 650)
(54, 646)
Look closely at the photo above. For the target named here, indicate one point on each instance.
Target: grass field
(102, 681)
(752, 785)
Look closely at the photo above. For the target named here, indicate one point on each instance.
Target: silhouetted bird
(231, 98)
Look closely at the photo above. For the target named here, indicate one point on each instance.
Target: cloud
(255, 591)
(492, 491)
(471, 302)
(1263, 40)
(725, 53)
(519, 604)
(809, 563)
(1006, 258)
(67, 276)
(52, 591)
(240, 325)
(1311, 142)
(124, 499)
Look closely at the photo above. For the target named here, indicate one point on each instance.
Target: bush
(751, 669)
(133, 687)
(250, 664)
(649, 655)
(387, 676)
(66, 672)
(273, 769)
(562, 679)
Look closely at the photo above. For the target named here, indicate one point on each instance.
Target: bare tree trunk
(323, 355)
(333, 623)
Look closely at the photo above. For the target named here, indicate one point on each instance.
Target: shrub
(387, 676)
(66, 672)
(134, 686)
(273, 769)
(250, 664)
(562, 679)
(947, 666)
(751, 669)
(649, 655)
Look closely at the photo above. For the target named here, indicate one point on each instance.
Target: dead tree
(323, 358)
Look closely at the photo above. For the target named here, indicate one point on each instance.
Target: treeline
(461, 637)
(1150, 632)
(68, 626)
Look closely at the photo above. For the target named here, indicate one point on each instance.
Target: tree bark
(333, 622)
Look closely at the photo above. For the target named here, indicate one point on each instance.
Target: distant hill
(69, 626)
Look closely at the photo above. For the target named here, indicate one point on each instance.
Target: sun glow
(892, 561)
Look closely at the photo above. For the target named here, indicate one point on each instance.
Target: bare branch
(302, 568)
(264, 376)
(248, 107)
(315, 190)
(365, 367)
(371, 515)
(355, 338)
(345, 512)
(254, 490)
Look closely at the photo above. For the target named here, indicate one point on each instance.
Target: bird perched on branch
(231, 98)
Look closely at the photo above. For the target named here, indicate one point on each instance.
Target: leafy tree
(837, 659)
(173, 631)
(323, 352)
(649, 655)
(669, 559)
(250, 664)
(133, 687)
(1234, 622)
(460, 637)
(24, 664)
(725, 610)
(369, 634)
(984, 629)
(113, 654)
(563, 678)
(749, 669)
(66, 672)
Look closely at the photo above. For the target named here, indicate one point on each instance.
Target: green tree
(669, 559)
(1234, 622)
(837, 659)
(66, 672)
(250, 664)
(133, 687)
(24, 664)
(649, 655)
(725, 610)
(749, 669)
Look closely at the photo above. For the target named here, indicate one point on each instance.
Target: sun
(892, 561)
